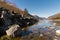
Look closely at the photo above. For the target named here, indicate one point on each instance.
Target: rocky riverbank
(9, 18)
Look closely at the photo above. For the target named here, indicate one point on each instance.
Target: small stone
(3, 12)
(55, 39)
(51, 28)
(28, 22)
(41, 35)
(23, 28)
(55, 36)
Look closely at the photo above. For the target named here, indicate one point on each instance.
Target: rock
(41, 35)
(51, 28)
(55, 39)
(14, 30)
(58, 32)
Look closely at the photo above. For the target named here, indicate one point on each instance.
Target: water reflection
(41, 24)
(45, 28)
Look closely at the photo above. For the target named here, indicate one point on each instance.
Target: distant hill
(54, 17)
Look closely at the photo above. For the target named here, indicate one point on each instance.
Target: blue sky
(42, 8)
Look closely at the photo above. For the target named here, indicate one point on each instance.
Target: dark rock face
(9, 17)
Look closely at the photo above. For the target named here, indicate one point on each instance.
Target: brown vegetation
(11, 7)
(54, 17)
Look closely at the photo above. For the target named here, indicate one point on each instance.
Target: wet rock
(51, 28)
(14, 30)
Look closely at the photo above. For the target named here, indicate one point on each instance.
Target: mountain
(54, 17)
(39, 18)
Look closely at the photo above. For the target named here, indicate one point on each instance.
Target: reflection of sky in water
(40, 24)
(45, 23)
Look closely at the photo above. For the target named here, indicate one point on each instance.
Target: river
(44, 27)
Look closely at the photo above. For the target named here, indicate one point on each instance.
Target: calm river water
(44, 27)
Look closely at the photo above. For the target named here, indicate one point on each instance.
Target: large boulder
(14, 30)
(57, 32)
